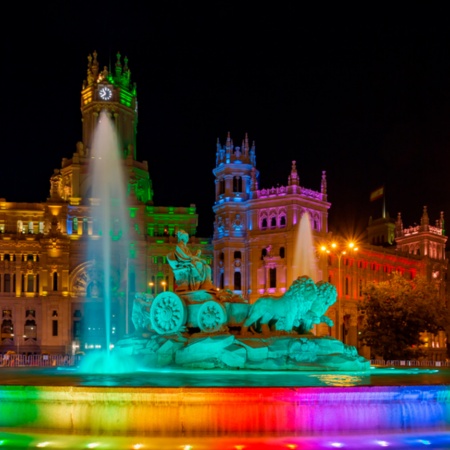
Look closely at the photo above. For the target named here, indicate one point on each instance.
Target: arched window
(264, 223)
(273, 222)
(282, 221)
(30, 329)
(237, 184)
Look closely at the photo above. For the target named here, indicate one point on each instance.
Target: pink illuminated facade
(255, 233)
(255, 229)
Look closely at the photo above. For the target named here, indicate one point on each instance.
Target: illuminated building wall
(255, 233)
(46, 279)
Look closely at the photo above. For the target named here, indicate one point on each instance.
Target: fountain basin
(183, 411)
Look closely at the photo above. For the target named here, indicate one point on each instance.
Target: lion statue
(326, 296)
(285, 310)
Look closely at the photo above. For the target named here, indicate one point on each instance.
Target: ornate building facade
(255, 229)
(255, 244)
(46, 277)
(47, 280)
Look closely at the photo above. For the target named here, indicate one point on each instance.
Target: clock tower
(111, 91)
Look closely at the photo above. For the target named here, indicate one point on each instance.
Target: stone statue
(140, 315)
(55, 184)
(190, 271)
(326, 296)
(285, 310)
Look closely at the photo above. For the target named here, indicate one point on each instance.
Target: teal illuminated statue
(201, 326)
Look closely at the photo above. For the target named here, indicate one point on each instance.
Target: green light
(159, 241)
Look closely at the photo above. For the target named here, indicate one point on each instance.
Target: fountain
(207, 370)
(111, 228)
(304, 255)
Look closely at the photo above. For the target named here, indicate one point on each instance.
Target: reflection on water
(341, 380)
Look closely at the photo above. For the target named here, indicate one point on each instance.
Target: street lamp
(164, 284)
(338, 251)
(151, 284)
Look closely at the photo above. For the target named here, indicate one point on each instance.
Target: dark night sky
(364, 95)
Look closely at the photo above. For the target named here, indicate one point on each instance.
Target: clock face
(105, 93)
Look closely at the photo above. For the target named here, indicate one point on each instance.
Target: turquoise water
(51, 376)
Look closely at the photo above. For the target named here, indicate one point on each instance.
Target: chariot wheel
(167, 313)
(211, 316)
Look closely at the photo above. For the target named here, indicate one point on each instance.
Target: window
(264, 223)
(30, 283)
(7, 283)
(221, 283)
(273, 277)
(85, 226)
(55, 281)
(237, 184)
(273, 222)
(346, 286)
(54, 328)
(30, 329)
(76, 329)
(237, 281)
(221, 186)
(237, 254)
(282, 252)
(282, 221)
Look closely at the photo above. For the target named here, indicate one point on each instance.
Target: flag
(376, 194)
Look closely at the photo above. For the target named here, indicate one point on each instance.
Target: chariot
(172, 312)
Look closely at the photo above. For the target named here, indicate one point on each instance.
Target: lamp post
(164, 285)
(150, 285)
(339, 251)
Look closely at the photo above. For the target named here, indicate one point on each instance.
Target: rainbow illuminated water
(206, 410)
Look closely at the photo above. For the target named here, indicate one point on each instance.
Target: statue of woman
(183, 258)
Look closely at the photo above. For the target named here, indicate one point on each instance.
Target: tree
(397, 311)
